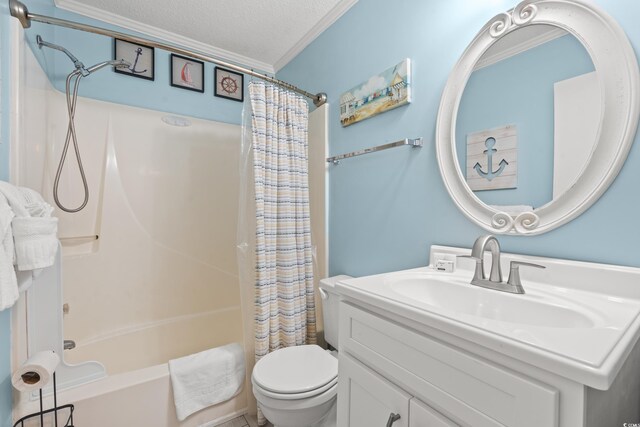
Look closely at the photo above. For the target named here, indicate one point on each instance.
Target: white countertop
(577, 320)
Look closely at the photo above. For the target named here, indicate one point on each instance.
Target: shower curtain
(284, 294)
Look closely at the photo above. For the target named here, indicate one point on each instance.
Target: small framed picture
(141, 58)
(229, 84)
(187, 73)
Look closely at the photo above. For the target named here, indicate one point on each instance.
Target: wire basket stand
(42, 412)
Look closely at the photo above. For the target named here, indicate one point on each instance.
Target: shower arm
(20, 11)
(76, 62)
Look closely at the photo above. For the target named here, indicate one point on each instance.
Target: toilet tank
(330, 308)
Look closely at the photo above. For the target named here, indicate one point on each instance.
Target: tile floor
(242, 421)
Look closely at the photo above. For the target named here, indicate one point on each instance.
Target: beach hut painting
(383, 92)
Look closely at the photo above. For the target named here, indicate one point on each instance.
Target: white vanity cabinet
(371, 400)
(475, 391)
(388, 367)
(421, 415)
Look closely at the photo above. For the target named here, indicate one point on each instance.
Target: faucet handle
(479, 272)
(516, 264)
(514, 273)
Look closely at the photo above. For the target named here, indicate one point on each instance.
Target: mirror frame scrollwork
(617, 70)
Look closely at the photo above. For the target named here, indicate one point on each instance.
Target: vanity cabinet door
(365, 399)
(479, 392)
(422, 415)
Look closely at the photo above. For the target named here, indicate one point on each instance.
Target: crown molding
(523, 46)
(149, 30)
(334, 14)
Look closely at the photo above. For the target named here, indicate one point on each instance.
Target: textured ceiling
(263, 30)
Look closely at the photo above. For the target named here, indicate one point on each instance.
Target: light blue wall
(109, 86)
(387, 208)
(519, 91)
(5, 329)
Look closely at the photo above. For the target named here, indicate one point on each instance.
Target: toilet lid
(295, 369)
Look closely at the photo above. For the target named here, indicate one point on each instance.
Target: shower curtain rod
(20, 11)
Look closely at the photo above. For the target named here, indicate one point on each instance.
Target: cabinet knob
(392, 419)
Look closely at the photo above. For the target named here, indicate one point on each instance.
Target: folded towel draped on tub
(207, 378)
(27, 236)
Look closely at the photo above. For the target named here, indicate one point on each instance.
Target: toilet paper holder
(42, 412)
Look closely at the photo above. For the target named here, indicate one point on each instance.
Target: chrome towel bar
(413, 142)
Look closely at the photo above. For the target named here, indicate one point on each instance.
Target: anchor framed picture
(141, 58)
(187, 73)
(229, 84)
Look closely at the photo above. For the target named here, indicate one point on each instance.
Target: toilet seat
(295, 373)
(294, 396)
(280, 403)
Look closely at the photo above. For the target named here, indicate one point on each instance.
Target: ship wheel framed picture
(187, 73)
(229, 84)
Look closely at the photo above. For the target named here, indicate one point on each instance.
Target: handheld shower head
(73, 79)
(119, 63)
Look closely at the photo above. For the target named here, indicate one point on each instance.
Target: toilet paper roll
(36, 372)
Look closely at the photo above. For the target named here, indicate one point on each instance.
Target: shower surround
(161, 281)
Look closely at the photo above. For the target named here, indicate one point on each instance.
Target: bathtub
(140, 398)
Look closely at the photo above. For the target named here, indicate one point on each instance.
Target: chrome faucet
(513, 284)
(481, 244)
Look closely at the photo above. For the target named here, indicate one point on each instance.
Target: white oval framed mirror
(538, 116)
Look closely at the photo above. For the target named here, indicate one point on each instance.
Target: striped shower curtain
(284, 300)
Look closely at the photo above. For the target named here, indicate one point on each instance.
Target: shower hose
(72, 98)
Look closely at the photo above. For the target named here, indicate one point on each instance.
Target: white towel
(8, 282)
(34, 203)
(36, 242)
(34, 229)
(207, 378)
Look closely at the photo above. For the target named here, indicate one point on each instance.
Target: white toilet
(297, 386)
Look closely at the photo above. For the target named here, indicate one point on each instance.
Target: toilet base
(330, 420)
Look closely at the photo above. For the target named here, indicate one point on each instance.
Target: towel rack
(413, 142)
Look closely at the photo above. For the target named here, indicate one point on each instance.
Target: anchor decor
(490, 174)
(141, 58)
(488, 148)
(132, 68)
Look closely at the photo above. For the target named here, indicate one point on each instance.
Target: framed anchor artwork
(141, 58)
(492, 159)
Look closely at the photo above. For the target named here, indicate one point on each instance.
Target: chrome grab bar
(91, 237)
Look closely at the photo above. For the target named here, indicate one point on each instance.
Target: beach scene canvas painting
(383, 92)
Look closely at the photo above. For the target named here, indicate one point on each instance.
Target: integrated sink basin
(577, 319)
(534, 308)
